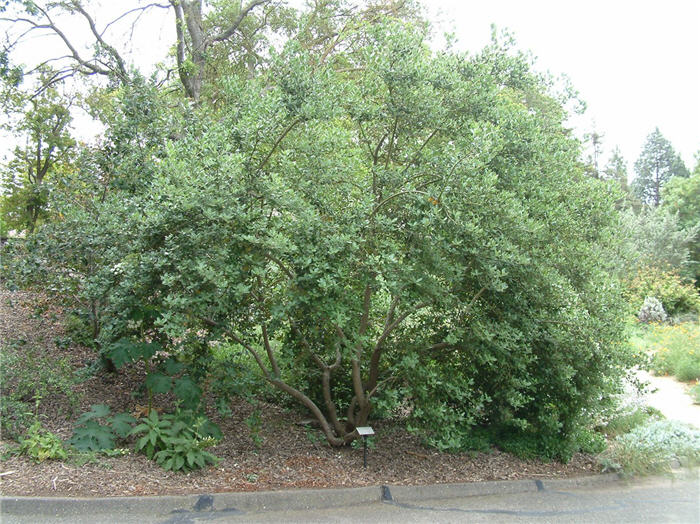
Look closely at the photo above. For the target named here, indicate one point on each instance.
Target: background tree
(682, 197)
(616, 169)
(655, 166)
(45, 130)
(658, 238)
(595, 141)
(616, 172)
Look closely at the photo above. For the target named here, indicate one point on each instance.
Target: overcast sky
(636, 63)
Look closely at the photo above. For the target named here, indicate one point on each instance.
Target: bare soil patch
(289, 456)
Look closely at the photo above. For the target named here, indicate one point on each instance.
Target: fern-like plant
(89, 434)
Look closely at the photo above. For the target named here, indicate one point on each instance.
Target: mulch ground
(289, 456)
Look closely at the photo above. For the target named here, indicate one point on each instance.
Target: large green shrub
(391, 219)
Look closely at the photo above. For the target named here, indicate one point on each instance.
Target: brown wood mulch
(289, 456)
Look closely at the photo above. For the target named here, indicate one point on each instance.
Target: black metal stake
(364, 445)
(364, 432)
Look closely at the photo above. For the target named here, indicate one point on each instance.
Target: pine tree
(655, 166)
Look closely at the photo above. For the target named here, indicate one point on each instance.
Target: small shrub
(78, 330)
(695, 393)
(177, 441)
(254, 423)
(650, 448)
(652, 311)
(590, 441)
(688, 368)
(627, 420)
(40, 444)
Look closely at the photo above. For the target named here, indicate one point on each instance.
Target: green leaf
(188, 391)
(120, 352)
(173, 367)
(139, 429)
(142, 442)
(122, 423)
(96, 411)
(158, 383)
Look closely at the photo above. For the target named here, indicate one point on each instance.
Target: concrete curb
(246, 501)
(497, 487)
(258, 501)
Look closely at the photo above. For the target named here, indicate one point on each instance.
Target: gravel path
(671, 398)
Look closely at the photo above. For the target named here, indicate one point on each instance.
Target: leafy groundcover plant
(177, 441)
(652, 448)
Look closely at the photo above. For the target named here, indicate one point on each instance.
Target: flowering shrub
(676, 350)
(677, 296)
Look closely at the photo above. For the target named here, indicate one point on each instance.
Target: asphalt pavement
(599, 499)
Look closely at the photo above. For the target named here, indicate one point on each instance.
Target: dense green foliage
(374, 223)
(682, 197)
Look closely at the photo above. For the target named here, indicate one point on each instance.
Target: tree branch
(420, 150)
(400, 193)
(389, 326)
(277, 143)
(237, 22)
(122, 73)
(142, 8)
(281, 265)
(243, 343)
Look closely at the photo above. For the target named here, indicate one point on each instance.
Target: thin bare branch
(125, 14)
(243, 343)
(268, 349)
(58, 32)
(400, 193)
(122, 73)
(420, 150)
(475, 298)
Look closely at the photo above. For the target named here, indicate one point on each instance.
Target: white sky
(636, 63)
